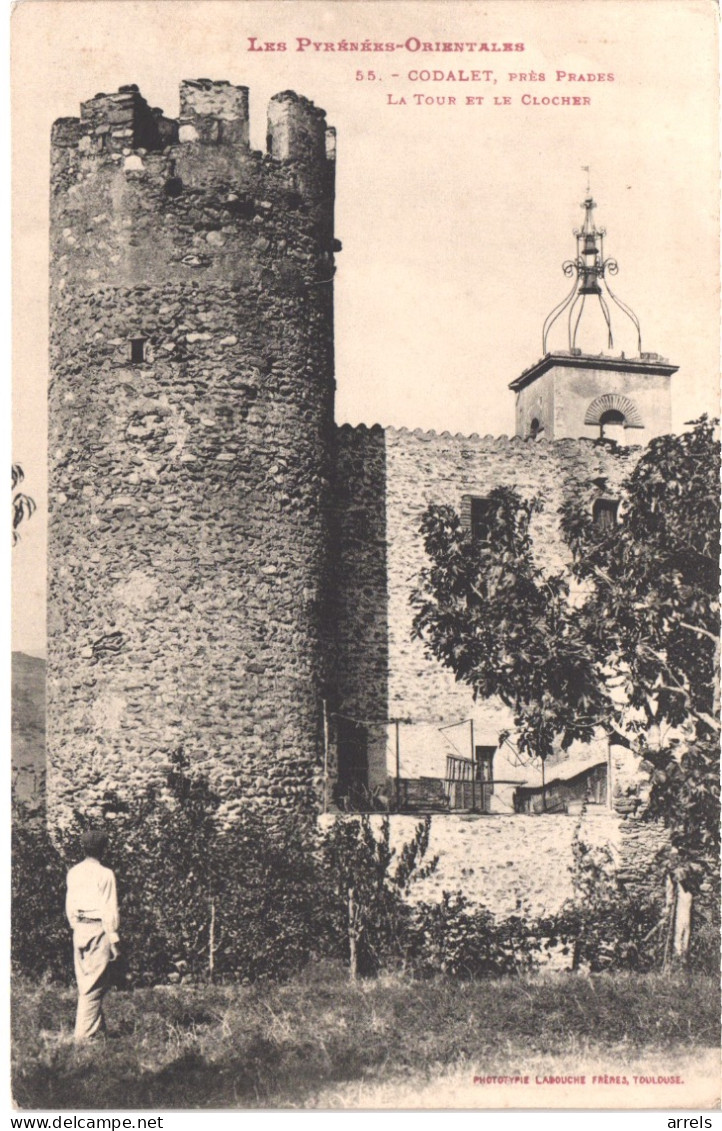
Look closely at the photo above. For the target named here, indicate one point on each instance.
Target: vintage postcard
(366, 539)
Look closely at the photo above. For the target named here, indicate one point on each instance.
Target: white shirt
(92, 895)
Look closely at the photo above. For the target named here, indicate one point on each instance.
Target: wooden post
(212, 941)
(352, 952)
(669, 906)
(609, 774)
(473, 768)
(682, 923)
(398, 765)
(325, 755)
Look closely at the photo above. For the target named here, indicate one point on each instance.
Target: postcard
(365, 586)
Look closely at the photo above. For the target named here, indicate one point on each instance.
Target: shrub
(197, 900)
(39, 938)
(603, 926)
(262, 897)
(363, 882)
(451, 938)
(704, 951)
(206, 901)
(268, 914)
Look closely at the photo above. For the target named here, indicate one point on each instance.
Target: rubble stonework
(519, 864)
(387, 478)
(191, 408)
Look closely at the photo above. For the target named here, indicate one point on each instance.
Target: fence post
(398, 765)
(212, 941)
(473, 768)
(325, 755)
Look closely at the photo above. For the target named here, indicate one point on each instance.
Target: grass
(320, 1041)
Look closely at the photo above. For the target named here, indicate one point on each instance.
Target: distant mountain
(28, 726)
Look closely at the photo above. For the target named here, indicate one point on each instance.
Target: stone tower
(191, 418)
(574, 393)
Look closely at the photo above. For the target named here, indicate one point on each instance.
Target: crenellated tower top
(191, 444)
(212, 113)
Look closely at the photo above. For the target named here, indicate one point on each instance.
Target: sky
(455, 218)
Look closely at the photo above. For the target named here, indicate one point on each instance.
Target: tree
(22, 505)
(363, 882)
(636, 648)
(485, 609)
(653, 607)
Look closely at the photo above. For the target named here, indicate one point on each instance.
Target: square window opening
(605, 515)
(476, 517)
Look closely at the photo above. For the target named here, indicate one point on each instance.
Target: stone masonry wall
(512, 864)
(359, 603)
(191, 416)
(380, 552)
(536, 402)
(577, 388)
(387, 477)
(560, 389)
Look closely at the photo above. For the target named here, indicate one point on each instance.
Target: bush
(206, 901)
(450, 938)
(704, 950)
(363, 882)
(39, 938)
(197, 900)
(263, 897)
(268, 901)
(200, 901)
(603, 926)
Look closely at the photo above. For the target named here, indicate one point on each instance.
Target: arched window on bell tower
(611, 425)
(613, 414)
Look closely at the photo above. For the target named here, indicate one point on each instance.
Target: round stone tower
(191, 412)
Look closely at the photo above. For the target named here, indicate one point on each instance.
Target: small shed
(566, 791)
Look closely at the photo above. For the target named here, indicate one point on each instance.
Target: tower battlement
(212, 113)
(197, 199)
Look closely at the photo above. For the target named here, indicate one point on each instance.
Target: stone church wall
(383, 672)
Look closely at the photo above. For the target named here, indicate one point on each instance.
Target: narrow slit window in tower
(137, 350)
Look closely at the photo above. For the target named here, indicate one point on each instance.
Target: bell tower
(574, 392)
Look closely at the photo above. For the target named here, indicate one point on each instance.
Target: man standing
(92, 909)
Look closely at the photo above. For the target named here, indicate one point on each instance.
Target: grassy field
(321, 1042)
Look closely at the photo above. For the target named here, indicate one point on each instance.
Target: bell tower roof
(590, 271)
(646, 363)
